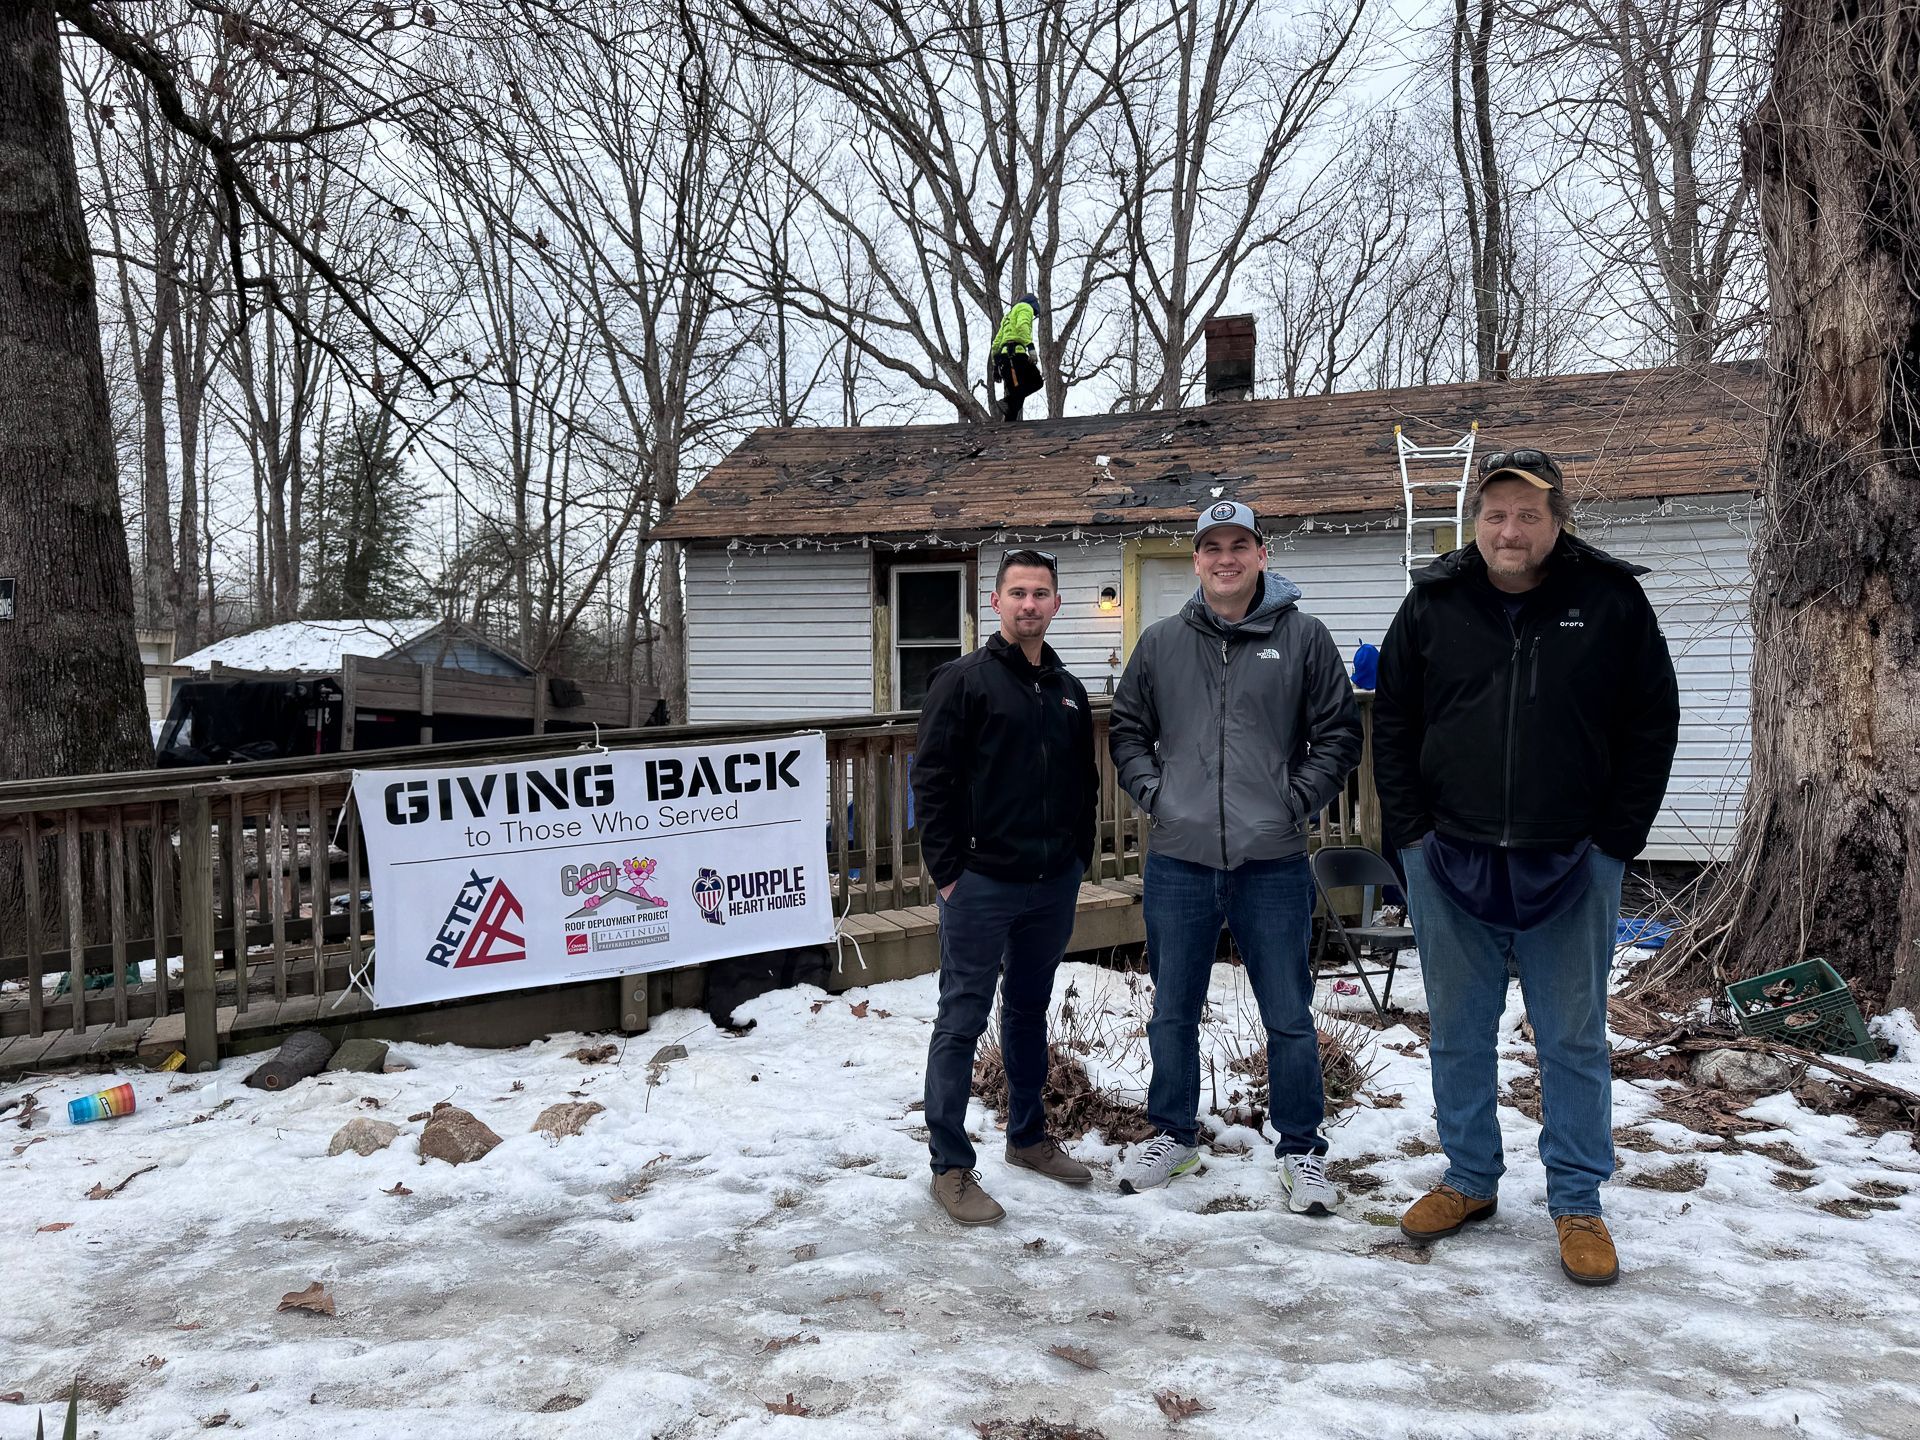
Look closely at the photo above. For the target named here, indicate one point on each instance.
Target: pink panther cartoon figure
(638, 872)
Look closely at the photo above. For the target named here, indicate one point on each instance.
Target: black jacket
(1004, 777)
(1552, 728)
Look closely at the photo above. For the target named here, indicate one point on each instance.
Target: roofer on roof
(1013, 363)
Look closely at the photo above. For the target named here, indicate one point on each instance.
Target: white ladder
(1461, 452)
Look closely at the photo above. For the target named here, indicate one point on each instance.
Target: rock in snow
(1748, 1072)
(455, 1136)
(363, 1135)
(568, 1118)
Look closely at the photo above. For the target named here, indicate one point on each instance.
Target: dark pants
(1022, 378)
(1267, 905)
(1011, 934)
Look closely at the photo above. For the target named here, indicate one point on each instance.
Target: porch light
(1109, 598)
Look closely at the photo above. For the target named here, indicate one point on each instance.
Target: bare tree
(1828, 857)
(1207, 128)
(1650, 95)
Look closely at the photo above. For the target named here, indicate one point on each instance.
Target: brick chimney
(1229, 358)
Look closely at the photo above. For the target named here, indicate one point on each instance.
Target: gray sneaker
(1159, 1160)
(1304, 1179)
(959, 1194)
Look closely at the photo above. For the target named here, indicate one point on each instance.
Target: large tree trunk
(1830, 857)
(71, 696)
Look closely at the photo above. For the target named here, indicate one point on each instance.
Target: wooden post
(348, 701)
(71, 864)
(426, 704)
(196, 924)
(539, 704)
(36, 930)
(117, 910)
(634, 1014)
(162, 881)
(319, 878)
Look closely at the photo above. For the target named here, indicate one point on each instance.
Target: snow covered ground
(752, 1221)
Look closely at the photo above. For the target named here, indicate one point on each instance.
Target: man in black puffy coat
(1524, 724)
(1004, 785)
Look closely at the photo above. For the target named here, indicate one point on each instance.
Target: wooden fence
(250, 882)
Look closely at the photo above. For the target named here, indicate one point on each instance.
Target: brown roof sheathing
(1623, 435)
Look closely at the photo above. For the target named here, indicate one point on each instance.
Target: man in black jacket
(1524, 725)
(1004, 785)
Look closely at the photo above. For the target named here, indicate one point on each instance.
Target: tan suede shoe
(1050, 1160)
(1443, 1211)
(1586, 1250)
(960, 1195)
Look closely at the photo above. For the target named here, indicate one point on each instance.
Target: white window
(928, 604)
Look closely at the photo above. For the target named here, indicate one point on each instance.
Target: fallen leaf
(593, 1054)
(1075, 1355)
(24, 1145)
(805, 1252)
(883, 1014)
(190, 1325)
(1178, 1407)
(101, 1192)
(398, 1189)
(789, 1406)
(153, 1362)
(314, 1298)
(775, 1346)
(1036, 1246)
(423, 1115)
(817, 1007)
(372, 1102)
(14, 1397)
(214, 1422)
(859, 1011)
(1101, 1315)
(57, 1225)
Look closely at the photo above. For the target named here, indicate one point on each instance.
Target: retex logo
(484, 926)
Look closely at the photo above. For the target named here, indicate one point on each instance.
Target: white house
(829, 570)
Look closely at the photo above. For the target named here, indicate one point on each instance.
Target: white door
(1167, 582)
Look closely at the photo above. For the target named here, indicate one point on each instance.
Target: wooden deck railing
(252, 877)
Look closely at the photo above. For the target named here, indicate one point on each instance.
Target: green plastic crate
(1811, 1007)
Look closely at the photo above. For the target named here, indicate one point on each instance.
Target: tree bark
(71, 693)
(1829, 854)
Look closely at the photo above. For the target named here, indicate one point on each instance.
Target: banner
(501, 877)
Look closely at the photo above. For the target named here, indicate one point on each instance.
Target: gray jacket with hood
(1230, 735)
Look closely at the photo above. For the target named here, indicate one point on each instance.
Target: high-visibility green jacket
(1016, 329)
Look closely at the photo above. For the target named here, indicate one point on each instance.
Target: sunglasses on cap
(1536, 462)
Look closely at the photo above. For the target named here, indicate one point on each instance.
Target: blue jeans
(1009, 934)
(1563, 967)
(1268, 907)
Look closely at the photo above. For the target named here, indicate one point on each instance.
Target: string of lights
(1591, 520)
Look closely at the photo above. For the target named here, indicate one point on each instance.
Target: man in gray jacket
(1233, 725)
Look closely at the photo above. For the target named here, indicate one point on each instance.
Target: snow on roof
(314, 646)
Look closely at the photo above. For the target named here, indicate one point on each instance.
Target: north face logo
(1269, 654)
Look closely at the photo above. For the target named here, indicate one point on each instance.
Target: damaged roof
(1621, 435)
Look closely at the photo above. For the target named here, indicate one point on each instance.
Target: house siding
(1699, 587)
(783, 634)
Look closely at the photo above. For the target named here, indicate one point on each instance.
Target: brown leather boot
(1050, 1160)
(1586, 1250)
(1443, 1211)
(960, 1195)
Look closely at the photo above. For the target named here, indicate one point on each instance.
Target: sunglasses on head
(1537, 461)
(1033, 557)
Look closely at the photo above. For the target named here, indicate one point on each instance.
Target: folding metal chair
(1348, 867)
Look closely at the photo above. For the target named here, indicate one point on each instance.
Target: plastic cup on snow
(106, 1105)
